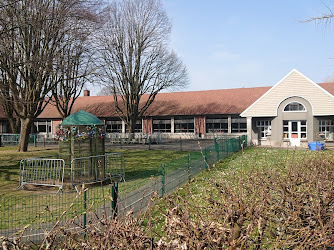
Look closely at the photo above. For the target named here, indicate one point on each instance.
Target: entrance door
(294, 133)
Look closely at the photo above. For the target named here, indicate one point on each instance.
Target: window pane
(216, 125)
(294, 106)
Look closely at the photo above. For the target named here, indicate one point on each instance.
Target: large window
(114, 126)
(295, 106)
(184, 125)
(138, 127)
(161, 125)
(265, 127)
(239, 125)
(42, 127)
(216, 125)
(325, 128)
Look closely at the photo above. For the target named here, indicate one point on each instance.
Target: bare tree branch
(34, 35)
(135, 58)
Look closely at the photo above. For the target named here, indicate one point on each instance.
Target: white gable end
(293, 84)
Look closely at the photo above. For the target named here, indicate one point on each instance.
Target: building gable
(293, 84)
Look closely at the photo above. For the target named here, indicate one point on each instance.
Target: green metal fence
(34, 140)
(39, 213)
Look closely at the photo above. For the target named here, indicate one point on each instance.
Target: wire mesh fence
(40, 213)
(179, 144)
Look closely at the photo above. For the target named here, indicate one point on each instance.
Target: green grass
(20, 207)
(10, 167)
(139, 164)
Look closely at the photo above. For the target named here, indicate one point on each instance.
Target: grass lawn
(10, 167)
(21, 207)
(139, 164)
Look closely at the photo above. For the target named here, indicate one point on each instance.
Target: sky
(250, 43)
(244, 43)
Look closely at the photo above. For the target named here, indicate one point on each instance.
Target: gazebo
(81, 158)
(80, 135)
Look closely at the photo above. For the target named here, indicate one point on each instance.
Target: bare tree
(74, 64)
(33, 34)
(106, 90)
(136, 59)
(6, 102)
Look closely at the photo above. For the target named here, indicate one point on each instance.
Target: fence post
(85, 207)
(180, 144)
(217, 148)
(206, 159)
(189, 167)
(114, 195)
(232, 145)
(228, 145)
(149, 142)
(35, 145)
(162, 180)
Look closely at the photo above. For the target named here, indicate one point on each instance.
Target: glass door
(294, 131)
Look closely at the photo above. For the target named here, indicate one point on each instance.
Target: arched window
(294, 106)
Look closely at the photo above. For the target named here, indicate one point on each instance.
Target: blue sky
(243, 43)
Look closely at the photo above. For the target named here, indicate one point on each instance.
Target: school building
(293, 112)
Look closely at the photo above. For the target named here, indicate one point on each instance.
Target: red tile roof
(224, 101)
(329, 86)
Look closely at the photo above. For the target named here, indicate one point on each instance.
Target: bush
(284, 206)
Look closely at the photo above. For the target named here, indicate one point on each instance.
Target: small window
(265, 128)
(325, 128)
(294, 106)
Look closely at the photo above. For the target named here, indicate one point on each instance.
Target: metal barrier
(45, 172)
(34, 139)
(97, 168)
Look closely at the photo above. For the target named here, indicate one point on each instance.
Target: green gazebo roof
(81, 118)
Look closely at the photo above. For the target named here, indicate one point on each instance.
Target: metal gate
(45, 172)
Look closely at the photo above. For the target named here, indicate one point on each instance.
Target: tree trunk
(132, 126)
(24, 135)
(14, 125)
